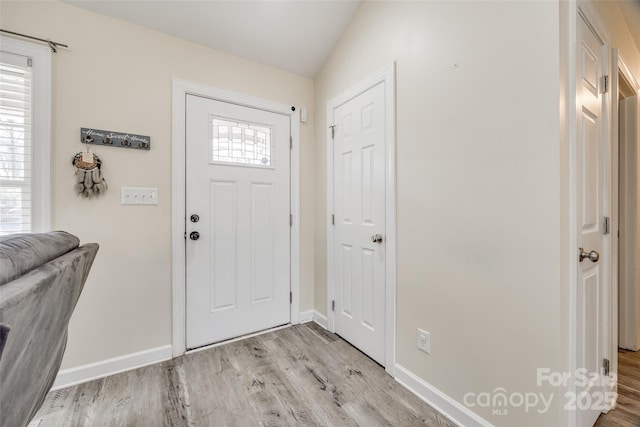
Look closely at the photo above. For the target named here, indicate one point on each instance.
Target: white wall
(117, 76)
(478, 163)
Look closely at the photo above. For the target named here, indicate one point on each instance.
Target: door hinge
(607, 225)
(333, 305)
(290, 220)
(290, 297)
(604, 84)
(333, 220)
(29, 62)
(290, 143)
(333, 131)
(605, 366)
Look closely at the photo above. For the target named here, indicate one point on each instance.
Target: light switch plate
(139, 196)
(424, 341)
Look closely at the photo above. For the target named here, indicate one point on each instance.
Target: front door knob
(593, 256)
(376, 238)
(194, 235)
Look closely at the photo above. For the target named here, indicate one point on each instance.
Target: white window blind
(16, 185)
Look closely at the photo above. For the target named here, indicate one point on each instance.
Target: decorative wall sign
(114, 139)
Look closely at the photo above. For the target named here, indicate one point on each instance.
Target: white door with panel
(359, 231)
(591, 166)
(237, 220)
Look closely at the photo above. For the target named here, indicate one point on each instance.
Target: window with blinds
(15, 144)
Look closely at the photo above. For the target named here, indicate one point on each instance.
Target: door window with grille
(240, 143)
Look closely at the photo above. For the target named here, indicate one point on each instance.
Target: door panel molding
(385, 75)
(180, 89)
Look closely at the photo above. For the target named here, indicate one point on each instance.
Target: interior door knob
(376, 238)
(194, 235)
(593, 256)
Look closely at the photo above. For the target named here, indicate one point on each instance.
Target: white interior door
(591, 156)
(359, 231)
(237, 183)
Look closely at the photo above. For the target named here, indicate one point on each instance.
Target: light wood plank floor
(301, 375)
(627, 412)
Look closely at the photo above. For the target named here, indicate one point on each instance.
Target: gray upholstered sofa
(41, 277)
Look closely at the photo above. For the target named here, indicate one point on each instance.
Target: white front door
(359, 231)
(591, 157)
(238, 226)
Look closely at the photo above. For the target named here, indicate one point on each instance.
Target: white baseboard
(320, 319)
(314, 316)
(306, 316)
(454, 411)
(104, 368)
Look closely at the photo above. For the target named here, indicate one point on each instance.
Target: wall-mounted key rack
(114, 139)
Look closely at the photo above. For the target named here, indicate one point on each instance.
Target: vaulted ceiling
(295, 36)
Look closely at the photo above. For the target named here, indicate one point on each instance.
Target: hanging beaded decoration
(89, 179)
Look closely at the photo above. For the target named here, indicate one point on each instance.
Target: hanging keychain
(89, 179)
(87, 156)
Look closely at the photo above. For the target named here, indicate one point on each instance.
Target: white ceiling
(293, 35)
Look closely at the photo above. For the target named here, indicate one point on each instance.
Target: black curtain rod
(52, 45)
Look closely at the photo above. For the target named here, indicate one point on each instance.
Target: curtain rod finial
(52, 45)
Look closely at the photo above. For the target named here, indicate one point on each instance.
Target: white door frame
(576, 9)
(180, 89)
(619, 67)
(385, 75)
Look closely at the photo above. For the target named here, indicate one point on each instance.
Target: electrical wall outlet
(424, 341)
(139, 196)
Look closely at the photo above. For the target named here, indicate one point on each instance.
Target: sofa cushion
(21, 253)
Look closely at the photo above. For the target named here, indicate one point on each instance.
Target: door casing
(387, 76)
(620, 69)
(180, 89)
